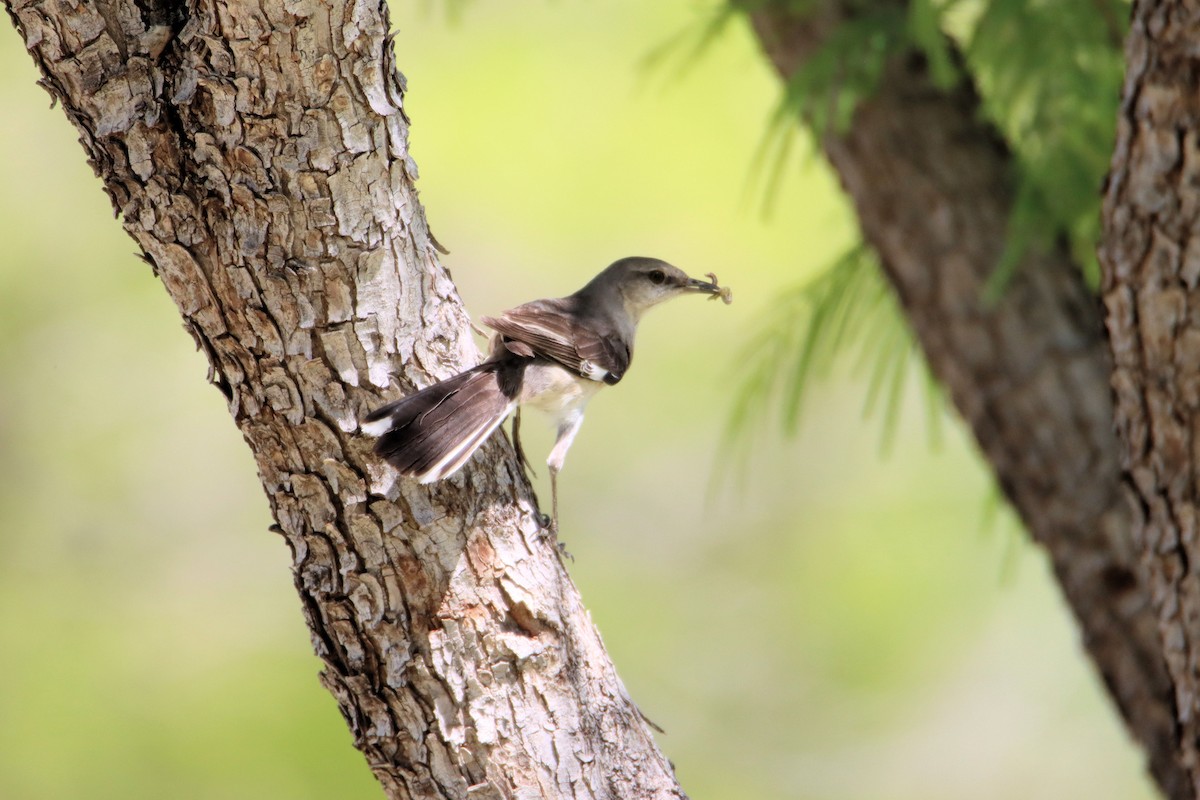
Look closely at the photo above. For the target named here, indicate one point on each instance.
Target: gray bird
(553, 355)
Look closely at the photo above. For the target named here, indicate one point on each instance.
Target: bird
(553, 355)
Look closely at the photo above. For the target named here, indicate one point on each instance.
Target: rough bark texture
(257, 152)
(1151, 259)
(932, 185)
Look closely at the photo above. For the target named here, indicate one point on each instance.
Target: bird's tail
(432, 433)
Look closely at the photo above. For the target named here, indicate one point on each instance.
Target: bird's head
(642, 283)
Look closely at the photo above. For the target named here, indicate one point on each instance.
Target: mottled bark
(933, 186)
(257, 153)
(1151, 259)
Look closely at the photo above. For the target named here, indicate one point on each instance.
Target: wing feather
(550, 329)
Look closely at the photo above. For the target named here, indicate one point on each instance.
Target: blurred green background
(828, 623)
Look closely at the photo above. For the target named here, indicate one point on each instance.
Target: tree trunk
(932, 185)
(258, 155)
(1151, 266)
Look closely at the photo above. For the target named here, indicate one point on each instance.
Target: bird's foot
(549, 532)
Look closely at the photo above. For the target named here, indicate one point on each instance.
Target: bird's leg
(554, 501)
(543, 520)
(553, 529)
(567, 428)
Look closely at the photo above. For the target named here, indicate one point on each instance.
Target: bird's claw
(562, 551)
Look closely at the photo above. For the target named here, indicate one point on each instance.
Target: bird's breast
(555, 390)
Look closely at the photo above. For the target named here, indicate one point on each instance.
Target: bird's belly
(554, 390)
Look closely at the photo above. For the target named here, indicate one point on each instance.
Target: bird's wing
(548, 329)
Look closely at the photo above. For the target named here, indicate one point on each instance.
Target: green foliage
(1049, 73)
(692, 42)
(924, 26)
(849, 308)
(844, 71)
(850, 304)
(825, 91)
(827, 88)
(846, 67)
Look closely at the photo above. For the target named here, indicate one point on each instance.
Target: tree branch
(932, 185)
(258, 154)
(1149, 258)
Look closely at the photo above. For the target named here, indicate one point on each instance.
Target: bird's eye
(657, 276)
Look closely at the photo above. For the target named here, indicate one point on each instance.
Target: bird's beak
(711, 288)
(694, 285)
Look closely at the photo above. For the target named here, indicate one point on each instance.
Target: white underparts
(562, 395)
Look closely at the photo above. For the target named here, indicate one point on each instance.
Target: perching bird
(553, 355)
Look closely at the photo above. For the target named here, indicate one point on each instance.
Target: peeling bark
(932, 185)
(258, 155)
(1150, 254)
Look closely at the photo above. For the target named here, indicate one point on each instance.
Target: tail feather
(436, 437)
(432, 433)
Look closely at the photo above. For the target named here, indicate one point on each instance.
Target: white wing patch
(591, 371)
